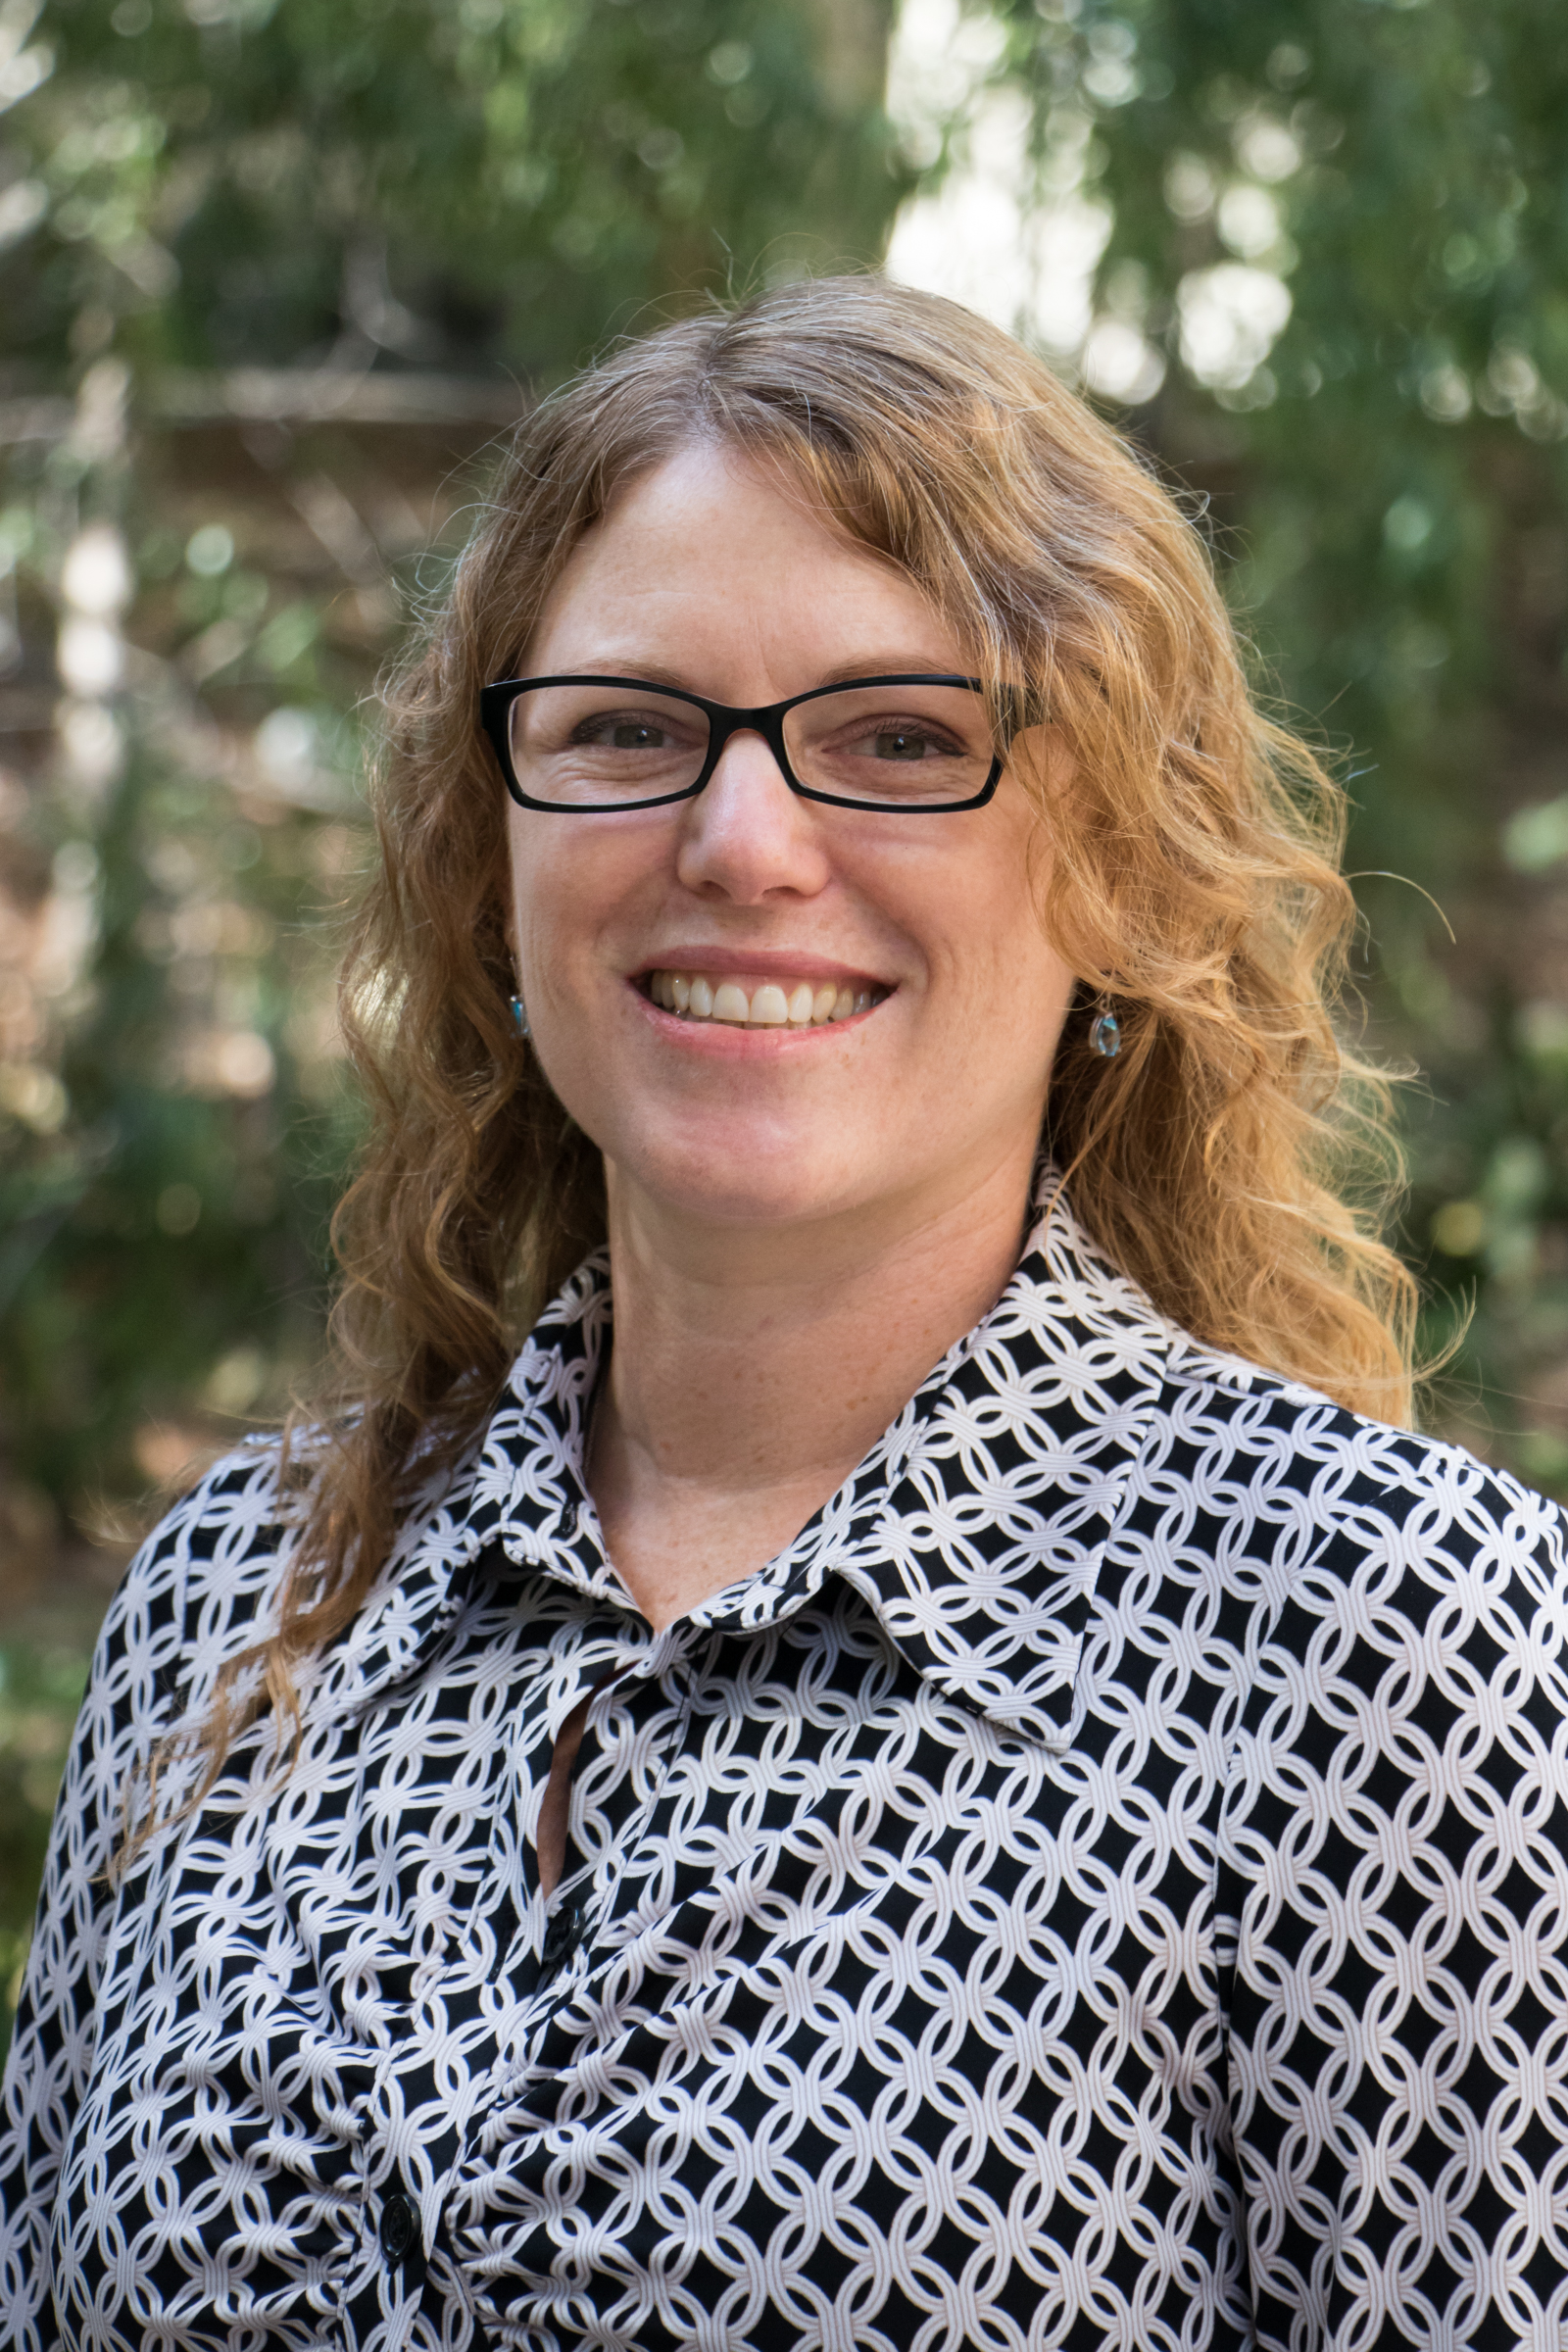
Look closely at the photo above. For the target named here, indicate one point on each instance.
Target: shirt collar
(975, 1527)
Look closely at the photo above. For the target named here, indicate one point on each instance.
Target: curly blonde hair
(1234, 1158)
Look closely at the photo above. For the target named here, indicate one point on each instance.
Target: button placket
(587, 1895)
(582, 1646)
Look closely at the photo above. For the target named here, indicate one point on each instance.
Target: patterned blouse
(1105, 1885)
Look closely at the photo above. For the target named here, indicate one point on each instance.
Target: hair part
(1235, 1159)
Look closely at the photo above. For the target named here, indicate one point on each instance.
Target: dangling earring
(1105, 1033)
(519, 1014)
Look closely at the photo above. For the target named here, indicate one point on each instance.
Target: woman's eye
(624, 735)
(906, 743)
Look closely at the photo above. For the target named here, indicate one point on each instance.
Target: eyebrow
(872, 666)
(885, 664)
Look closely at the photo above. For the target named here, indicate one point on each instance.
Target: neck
(753, 1370)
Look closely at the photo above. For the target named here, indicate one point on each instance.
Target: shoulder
(1384, 1575)
(1242, 1485)
(199, 1587)
(1285, 1457)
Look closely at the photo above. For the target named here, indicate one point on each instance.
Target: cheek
(986, 916)
(563, 889)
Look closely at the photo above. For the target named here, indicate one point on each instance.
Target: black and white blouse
(1105, 1885)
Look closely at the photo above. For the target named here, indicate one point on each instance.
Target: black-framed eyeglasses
(916, 742)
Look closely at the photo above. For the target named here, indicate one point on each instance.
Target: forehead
(708, 548)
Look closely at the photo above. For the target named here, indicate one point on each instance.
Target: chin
(728, 1179)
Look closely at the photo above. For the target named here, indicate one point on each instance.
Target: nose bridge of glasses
(763, 728)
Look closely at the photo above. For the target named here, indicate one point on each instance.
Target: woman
(740, 1836)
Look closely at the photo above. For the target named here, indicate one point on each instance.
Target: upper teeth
(799, 1004)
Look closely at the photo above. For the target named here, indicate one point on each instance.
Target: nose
(746, 837)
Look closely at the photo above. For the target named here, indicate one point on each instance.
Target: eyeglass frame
(724, 719)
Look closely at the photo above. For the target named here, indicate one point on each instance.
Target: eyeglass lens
(615, 747)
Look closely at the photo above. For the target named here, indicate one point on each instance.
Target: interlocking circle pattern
(1105, 1885)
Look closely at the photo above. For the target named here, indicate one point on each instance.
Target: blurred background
(275, 275)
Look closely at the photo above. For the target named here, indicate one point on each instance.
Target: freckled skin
(800, 1223)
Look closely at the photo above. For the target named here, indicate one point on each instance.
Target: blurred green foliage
(40, 1689)
(1401, 171)
(273, 275)
(240, 181)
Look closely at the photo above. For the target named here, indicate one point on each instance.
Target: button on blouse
(1102, 1884)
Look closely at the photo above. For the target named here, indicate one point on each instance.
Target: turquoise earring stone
(519, 1014)
(1106, 1035)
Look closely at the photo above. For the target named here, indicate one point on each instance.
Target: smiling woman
(860, 1726)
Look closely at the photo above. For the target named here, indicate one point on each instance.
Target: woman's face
(706, 575)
